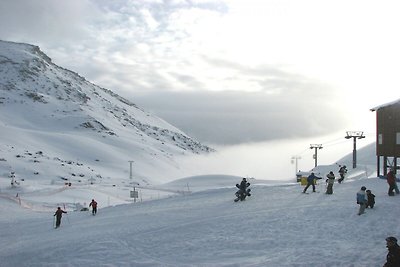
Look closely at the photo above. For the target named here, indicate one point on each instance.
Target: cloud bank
(241, 117)
(225, 71)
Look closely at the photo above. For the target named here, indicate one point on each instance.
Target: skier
(391, 180)
(243, 190)
(330, 181)
(393, 256)
(361, 200)
(311, 181)
(342, 172)
(12, 175)
(93, 204)
(370, 199)
(58, 215)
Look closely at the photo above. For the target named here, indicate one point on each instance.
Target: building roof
(385, 105)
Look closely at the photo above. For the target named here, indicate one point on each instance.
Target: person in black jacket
(370, 199)
(58, 215)
(243, 190)
(393, 256)
(342, 172)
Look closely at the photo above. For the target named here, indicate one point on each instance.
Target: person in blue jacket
(311, 181)
(362, 200)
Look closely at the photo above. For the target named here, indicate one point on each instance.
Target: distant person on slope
(342, 172)
(393, 256)
(391, 180)
(58, 215)
(330, 181)
(311, 181)
(93, 204)
(243, 191)
(362, 200)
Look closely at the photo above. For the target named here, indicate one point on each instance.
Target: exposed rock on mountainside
(44, 107)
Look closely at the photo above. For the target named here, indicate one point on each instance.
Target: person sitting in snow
(311, 181)
(330, 181)
(93, 204)
(361, 200)
(370, 199)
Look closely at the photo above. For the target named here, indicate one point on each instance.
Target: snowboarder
(93, 204)
(370, 199)
(342, 172)
(330, 181)
(58, 215)
(361, 200)
(243, 191)
(311, 181)
(391, 180)
(393, 256)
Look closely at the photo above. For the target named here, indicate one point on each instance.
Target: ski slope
(276, 226)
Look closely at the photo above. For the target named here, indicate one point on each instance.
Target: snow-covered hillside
(52, 117)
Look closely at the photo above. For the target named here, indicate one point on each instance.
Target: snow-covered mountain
(48, 114)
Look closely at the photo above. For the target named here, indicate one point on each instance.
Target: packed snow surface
(200, 225)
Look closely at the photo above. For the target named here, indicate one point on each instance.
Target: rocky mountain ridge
(42, 102)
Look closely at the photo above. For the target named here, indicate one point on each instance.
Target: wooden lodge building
(388, 136)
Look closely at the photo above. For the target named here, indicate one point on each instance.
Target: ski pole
(66, 215)
(67, 218)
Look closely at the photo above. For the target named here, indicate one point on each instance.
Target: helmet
(363, 188)
(391, 239)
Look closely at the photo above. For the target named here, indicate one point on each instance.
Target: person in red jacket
(93, 204)
(58, 215)
(391, 180)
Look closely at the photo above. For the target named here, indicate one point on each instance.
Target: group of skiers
(366, 199)
(312, 178)
(59, 212)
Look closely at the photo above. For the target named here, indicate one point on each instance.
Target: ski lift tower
(133, 194)
(295, 159)
(315, 156)
(130, 169)
(355, 135)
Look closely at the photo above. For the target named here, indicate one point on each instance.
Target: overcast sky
(227, 72)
